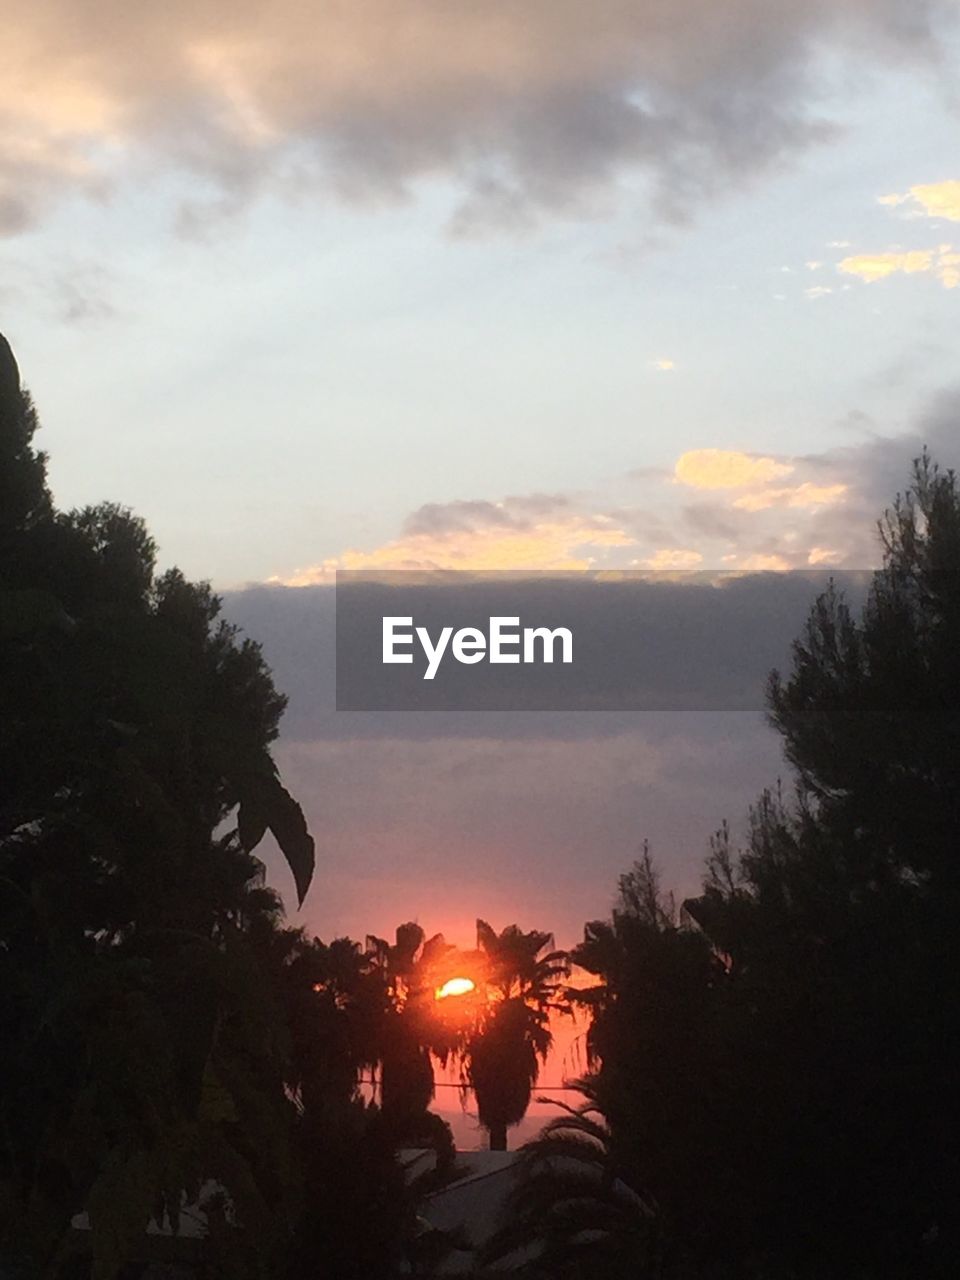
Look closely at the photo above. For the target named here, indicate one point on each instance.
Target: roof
(472, 1205)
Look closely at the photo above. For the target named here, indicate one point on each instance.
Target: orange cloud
(563, 542)
(726, 469)
(761, 564)
(674, 558)
(935, 199)
(943, 263)
(824, 556)
(759, 512)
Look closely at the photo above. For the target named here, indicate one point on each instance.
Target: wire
(449, 1084)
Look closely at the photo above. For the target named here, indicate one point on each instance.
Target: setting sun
(456, 987)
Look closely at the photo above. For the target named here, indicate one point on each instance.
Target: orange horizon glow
(456, 987)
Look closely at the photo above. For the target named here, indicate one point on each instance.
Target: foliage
(143, 1054)
(504, 1049)
(775, 1061)
(571, 1214)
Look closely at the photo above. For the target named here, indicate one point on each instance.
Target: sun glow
(456, 987)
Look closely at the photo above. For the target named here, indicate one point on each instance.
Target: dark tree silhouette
(409, 1032)
(656, 1047)
(141, 1051)
(571, 1215)
(503, 1052)
(776, 1061)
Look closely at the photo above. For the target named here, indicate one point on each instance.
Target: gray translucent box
(638, 641)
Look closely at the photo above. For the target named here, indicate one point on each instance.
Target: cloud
(528, 109)
(674, 558)
(406, 828)
(412, 790)
(652, 641)
(400, 802)
(762, 564)
(727, 469)
(751, 510)
(665, 366)
(526, 532)
(824, 556)
(877, 266)
(929, 199)
(803, 496)
(69, 290)
(892, 200)
(943, 263)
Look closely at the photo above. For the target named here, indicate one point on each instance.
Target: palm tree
(512, 1037)
(409, 1032)
(572, 1214)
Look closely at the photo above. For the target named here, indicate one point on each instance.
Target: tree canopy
(141, 1056)
(774, 1062)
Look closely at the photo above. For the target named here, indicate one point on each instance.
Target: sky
(665, 284)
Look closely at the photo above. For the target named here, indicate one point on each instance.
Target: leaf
(289, 826)
(486, 938)
(266, 803)
(251, 822)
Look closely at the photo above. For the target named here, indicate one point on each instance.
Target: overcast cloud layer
(403, 800)
(531, 107)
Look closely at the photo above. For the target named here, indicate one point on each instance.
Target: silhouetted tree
(571, 1215)
(779, 1079)
(504, 1050)
(655, 1044)
(351, 1213)
(409, 1032)
(142, 1052)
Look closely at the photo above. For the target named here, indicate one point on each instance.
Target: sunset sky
(500, 284)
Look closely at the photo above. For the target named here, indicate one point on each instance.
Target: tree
(408, 1032)
(350, 1212)
(775, 1061)
(142, 1051)
(868, 713)
(656, 1050)
(838, 920)
(504, 1050)
(571, 1215)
